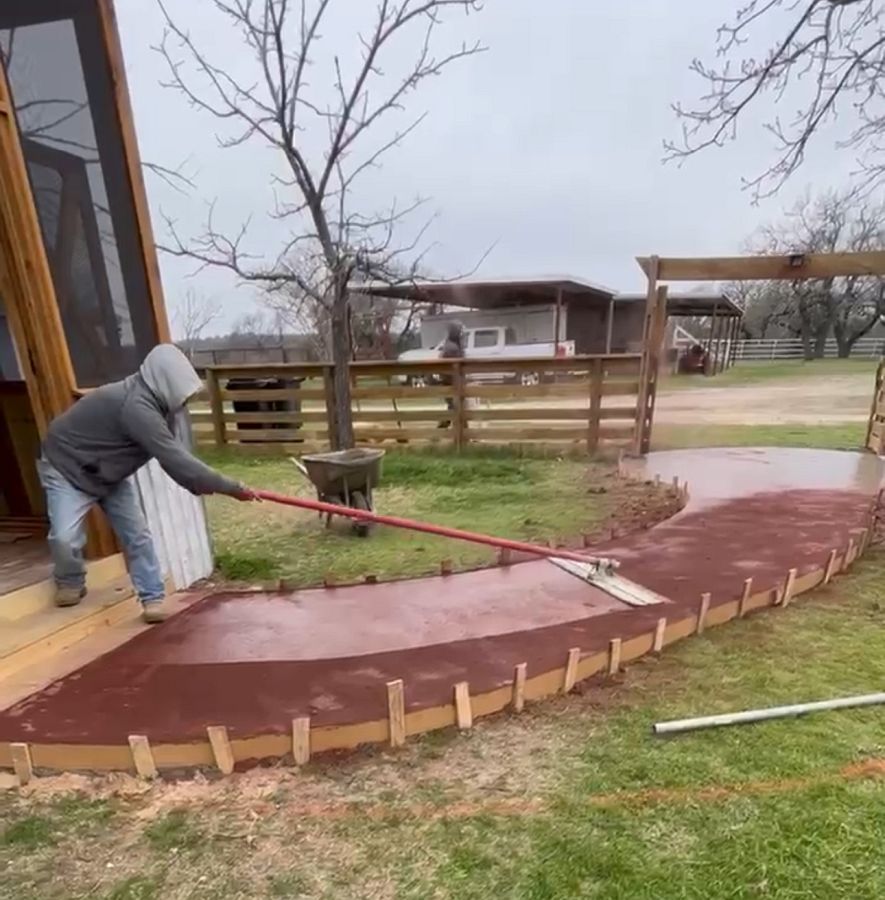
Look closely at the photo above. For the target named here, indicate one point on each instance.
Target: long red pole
(427, 528)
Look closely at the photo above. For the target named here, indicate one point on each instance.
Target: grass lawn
(757, 372)
(575, 798)
(491, 491)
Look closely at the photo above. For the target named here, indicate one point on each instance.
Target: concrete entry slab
(255, 663)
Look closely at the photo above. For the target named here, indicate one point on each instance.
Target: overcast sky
(548, 146)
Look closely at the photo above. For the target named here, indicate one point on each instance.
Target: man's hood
(170, 376)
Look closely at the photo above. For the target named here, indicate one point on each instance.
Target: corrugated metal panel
(177, 521)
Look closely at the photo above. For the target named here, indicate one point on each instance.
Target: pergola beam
(763, 268)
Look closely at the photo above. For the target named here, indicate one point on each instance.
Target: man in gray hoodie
(92, 450)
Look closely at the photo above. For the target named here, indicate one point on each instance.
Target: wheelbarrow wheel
(358, 501)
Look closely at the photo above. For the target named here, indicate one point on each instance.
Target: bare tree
(846, 308)
(192, 315)
(327, 242)
(830, 55)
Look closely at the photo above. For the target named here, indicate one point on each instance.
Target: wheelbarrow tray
(354, 470)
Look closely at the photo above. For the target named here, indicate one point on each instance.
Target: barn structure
(558, 308)
(80, 300)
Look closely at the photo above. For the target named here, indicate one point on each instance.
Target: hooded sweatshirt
(114, 430)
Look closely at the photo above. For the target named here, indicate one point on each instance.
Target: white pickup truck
(492, 343)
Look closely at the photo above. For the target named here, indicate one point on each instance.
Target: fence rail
(789, 348)
(585, 402)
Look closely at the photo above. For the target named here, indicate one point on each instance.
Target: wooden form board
(223, 751)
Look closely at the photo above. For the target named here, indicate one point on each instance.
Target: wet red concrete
(255, 662)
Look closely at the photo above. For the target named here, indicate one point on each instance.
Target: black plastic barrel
(288, 405)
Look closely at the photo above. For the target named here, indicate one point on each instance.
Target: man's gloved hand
(246, 495)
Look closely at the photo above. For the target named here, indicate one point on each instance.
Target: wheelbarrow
(344, 478)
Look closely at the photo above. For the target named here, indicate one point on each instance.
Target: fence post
(216, 406)
(459, 416)
(597, 374)
(329, 397)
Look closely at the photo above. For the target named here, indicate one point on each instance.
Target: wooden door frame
(29, 298)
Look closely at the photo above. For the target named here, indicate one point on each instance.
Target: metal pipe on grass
(678, 726)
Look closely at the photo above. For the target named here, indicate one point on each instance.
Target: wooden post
(445, 567)
(396, 712)
(463, 710)
(557, 325)
(660, 628)
(329, 398)
(642, 400)
(710, 337)
(519, 676)
(221, 750)
(142, 756)
(216, 405)
(874, 408)
(703, 609)
(301, 740)
(609, 325)
(21, 762)
(571, 669)
(459, 413)
(659, 329)
(830, 570)
(614, 656)
(745, 596)
(849, 555)
(789, 587)
(597, 375)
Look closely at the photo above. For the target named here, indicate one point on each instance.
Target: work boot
(154, 613)
(69, 596)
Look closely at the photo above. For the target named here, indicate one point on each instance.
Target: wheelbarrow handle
(429, 528)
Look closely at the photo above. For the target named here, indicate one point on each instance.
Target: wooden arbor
(790, 267)
(30, 272)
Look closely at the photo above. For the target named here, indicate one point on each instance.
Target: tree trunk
(342, 439)
(805, 334)
(820, 341)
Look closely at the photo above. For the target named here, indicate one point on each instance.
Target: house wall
(627, 327)
(587, 327)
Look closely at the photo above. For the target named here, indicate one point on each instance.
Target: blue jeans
(68, 506)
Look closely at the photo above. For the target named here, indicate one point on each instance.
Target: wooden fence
(585, 403)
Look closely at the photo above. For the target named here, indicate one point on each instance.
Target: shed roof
(692, 303)
(490, 293)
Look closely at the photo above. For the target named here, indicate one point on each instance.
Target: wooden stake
(571, 669)
(702, 613)
(301, 740)
(830, 570)
(745, 596)
(789, 587)
(849, 555)
(614, 656)
(224, 757)
(21, 762)
(676, 484)
(463, 710)
(445, 567)
(142, 756)
(863, 543)
(658, 643)
(519, 676)
(396, 711)
(657, 480)
(504, 556)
